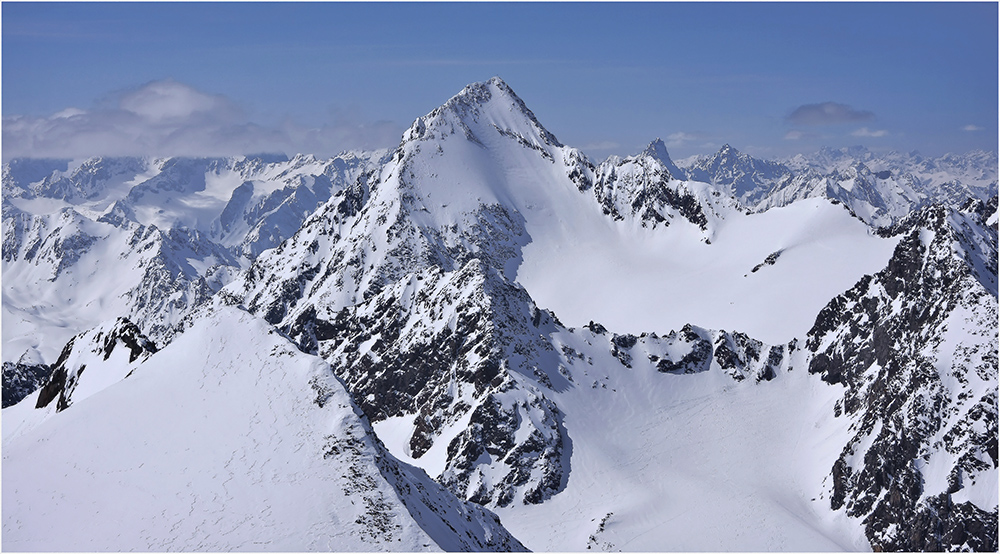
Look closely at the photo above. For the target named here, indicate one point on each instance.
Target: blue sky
(770, 79)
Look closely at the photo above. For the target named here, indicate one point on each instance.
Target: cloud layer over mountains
(168, 118)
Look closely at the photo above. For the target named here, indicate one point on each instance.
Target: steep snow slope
(229, 438)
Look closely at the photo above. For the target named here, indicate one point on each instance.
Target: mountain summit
(479, 107)
(483, 340)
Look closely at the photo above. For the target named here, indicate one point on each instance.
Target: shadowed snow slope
(228, 439)
(610, 356)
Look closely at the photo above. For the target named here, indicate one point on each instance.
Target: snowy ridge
(880, 189)
(190, 476)
(111, 351)
(425, 290)
(746, 178)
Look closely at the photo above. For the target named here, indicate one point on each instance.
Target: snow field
(636, 280)
(693, 463)
(228, 439)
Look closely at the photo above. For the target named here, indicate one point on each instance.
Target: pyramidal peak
(481, 107)
(728, 150)
(658, 150)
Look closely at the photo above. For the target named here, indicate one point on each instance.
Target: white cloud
(796, 134)
(167, 118)
(680, 138)
(866, 132)
(68, 112)
(161, 101)
(972, 128)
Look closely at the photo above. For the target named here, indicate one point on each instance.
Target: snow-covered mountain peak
(479, 108)
(745, 177)
(434, 280)
(658, 150)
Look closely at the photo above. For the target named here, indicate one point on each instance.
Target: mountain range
(484, 340)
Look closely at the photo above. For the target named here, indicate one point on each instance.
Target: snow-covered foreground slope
(732, 396)
(228, 439)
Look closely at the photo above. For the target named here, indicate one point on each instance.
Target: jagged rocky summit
(393, 323)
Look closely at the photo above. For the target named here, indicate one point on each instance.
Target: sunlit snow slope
(692, 463)
(611, 356)
(228, 439)
(635, 279)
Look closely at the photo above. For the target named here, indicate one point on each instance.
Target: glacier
(484, 340)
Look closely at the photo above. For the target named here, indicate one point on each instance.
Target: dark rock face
(98, 345)
(737, 354)
(52, 389)
(440, 346)
(914, 347)
(771, 259)
(641, 186)
(941, 525)
(20, 380)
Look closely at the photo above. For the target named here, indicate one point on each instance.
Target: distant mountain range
(485, 340)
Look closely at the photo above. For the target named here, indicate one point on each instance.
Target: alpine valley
(485, 340)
